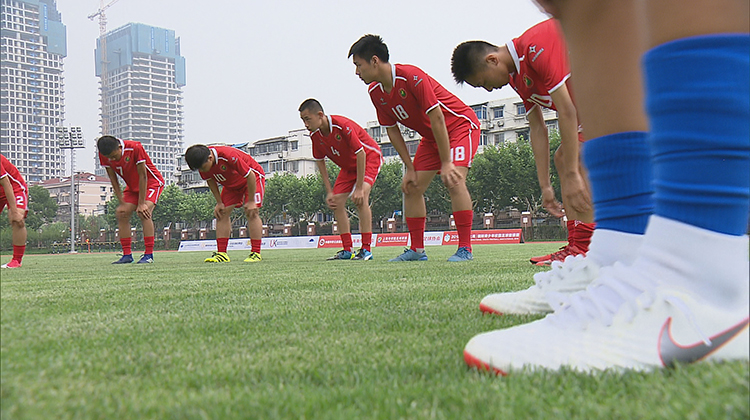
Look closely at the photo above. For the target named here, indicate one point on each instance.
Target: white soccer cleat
(570, 276)
(621, 321)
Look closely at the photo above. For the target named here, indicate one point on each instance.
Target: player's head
(109, 147)
(367, 54)
(479, 64)
(312, 114)
(198, 158)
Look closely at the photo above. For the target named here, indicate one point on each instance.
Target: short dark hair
(311, 105)
(196, 155)
(370, 45)
(468, 58)
(107, 144)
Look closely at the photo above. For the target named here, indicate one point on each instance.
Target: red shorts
(464, 144)
(238, 196)
(21, 197)
(347, 179)
(153, 192)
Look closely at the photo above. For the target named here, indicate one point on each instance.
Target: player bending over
(536, 66)
(243, 184)
(450, 132)
(358, 155)
(15, 195)
(144, 184)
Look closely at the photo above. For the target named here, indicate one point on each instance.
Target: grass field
(301, 338)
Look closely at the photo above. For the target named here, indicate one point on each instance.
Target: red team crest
(527, 80)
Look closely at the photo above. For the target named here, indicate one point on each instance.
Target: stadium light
(71, 138)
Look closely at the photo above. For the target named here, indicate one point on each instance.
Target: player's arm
(448, 172)
(142, 209)
(14, 213)
(326, 183)
(115, 183)
(359, 190)
(251, 186)
(213, 186)
(576, 194)
(398, 143)
(540, 147)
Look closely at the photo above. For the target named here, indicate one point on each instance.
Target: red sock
(463, 219)
(126, 249)
(583, 234)
(346, 241)
(18, 251)
(221, 244)
(255, 244)
(148, 242)
(416, 231)
(366, 241)
(571, 224)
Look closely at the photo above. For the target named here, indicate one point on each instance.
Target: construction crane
(103, 60)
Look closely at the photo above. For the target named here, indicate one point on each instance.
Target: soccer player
(143, 186)
(358, 155)
(536, 66)
(243, 184)
(15, 195)
(684, 298)
(450, 132)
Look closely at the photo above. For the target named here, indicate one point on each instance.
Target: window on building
(522, 135)
(498, 112)
(520, 109)
(295, 145)
(481, 111)
(499, 139)
(483, 139)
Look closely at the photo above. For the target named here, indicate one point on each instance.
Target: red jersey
(343, 142)
(133, 154)
(541, 59)
(231, 167)
(415, 93)
(10, 170)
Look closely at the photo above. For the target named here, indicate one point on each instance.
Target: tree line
(500, 177)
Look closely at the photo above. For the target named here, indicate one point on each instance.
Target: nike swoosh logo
(671, 352)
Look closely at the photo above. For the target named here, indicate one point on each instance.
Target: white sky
(249, 64)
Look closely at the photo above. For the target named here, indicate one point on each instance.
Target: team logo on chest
(127, 159)
(223, 167)
(338, 136)
(402, 93)
(527, 80)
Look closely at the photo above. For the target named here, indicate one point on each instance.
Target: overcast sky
(249, 64)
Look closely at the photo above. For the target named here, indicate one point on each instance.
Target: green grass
(302, 338)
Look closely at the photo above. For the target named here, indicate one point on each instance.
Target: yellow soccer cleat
(254, 257)
(218, 257)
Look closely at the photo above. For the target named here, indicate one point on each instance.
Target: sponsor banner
(334, 241)
(432, 238)
(391, 239)
(291, 242)
(482, 237)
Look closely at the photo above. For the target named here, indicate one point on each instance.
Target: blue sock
(698, 102)
(619, 168)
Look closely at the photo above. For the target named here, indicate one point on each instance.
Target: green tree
(168, 209)
(386, 197)
(42, 207)
(197, 208)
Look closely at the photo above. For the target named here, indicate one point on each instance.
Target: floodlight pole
(71, 138)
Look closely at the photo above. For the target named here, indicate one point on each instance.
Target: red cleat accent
(473, 362)
(487, 310)
(560, 255)
(12, 264)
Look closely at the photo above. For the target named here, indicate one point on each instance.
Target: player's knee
(252, 214)
(18, 224)
(123, 212)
